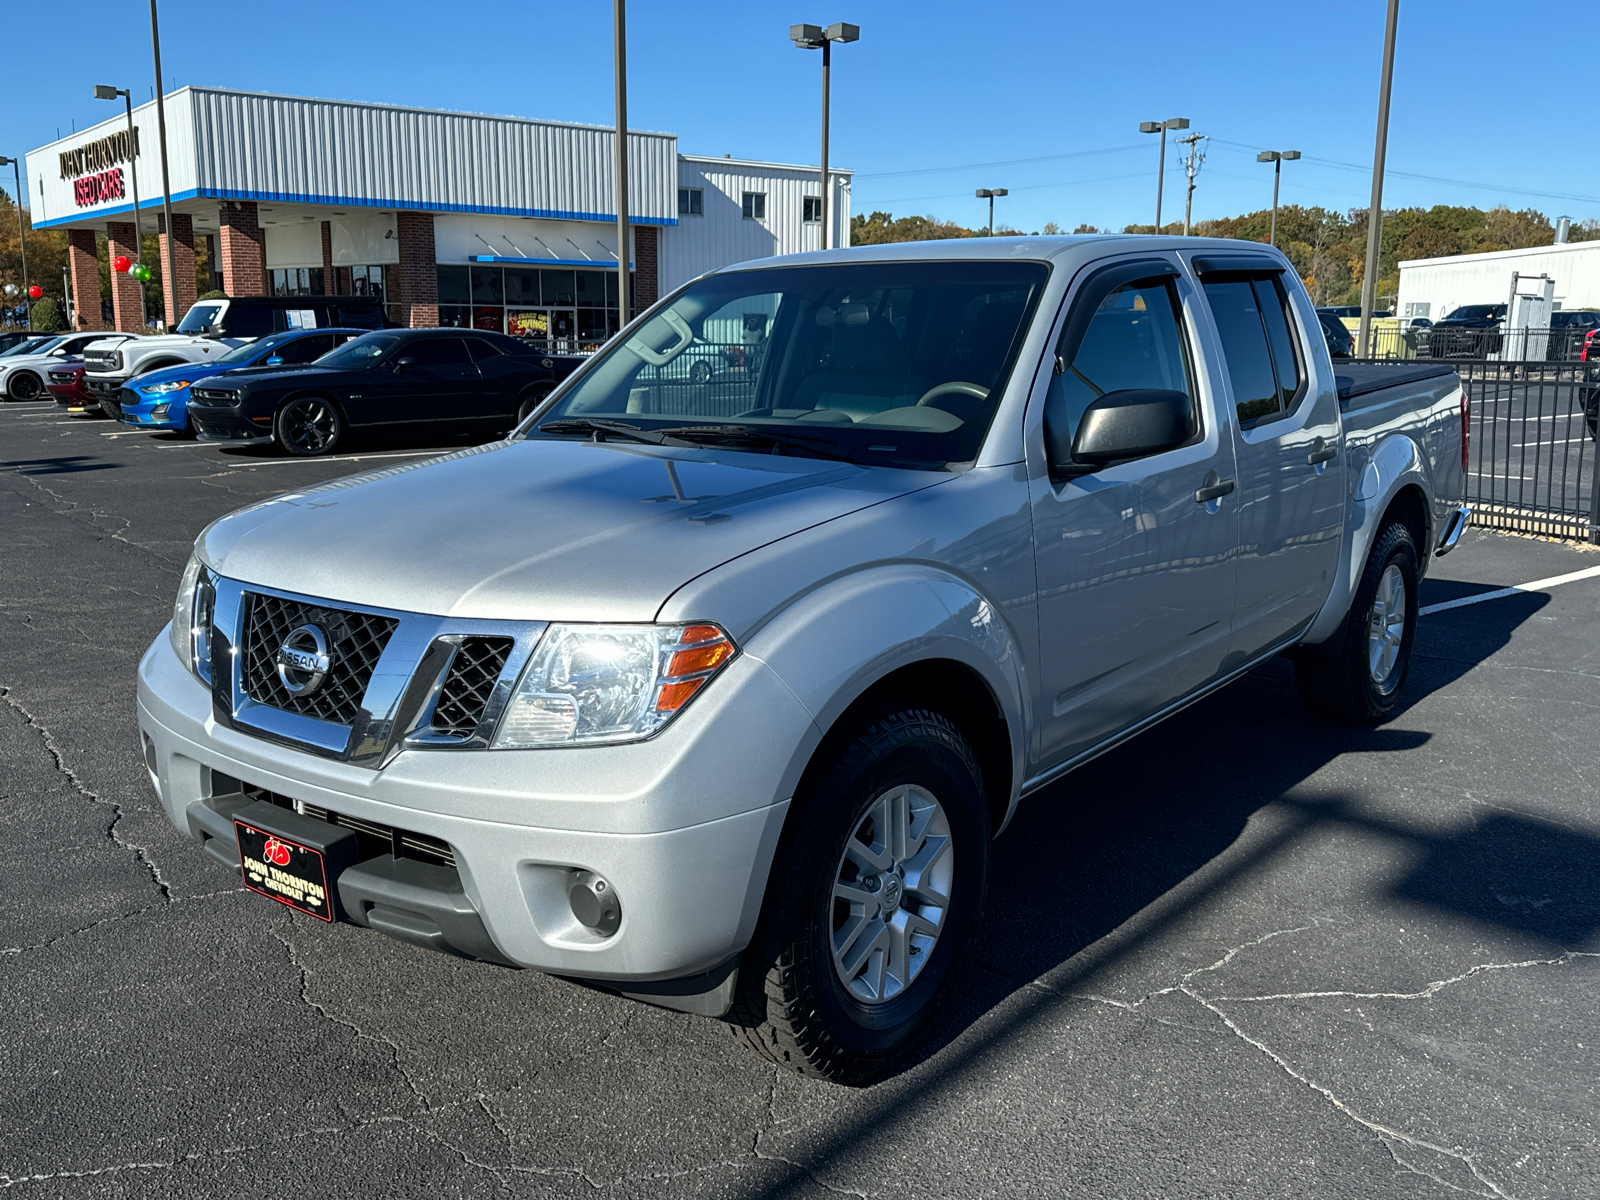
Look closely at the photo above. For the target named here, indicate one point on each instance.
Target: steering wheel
(953, 389)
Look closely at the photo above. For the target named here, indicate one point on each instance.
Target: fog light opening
(594, 902)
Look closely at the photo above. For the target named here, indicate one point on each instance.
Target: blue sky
(935, 100)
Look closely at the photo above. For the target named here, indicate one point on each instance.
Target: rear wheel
(872, 904)
(700, 372)
(1356, 678)
(530, 402)
(25, 385)
(309, 426)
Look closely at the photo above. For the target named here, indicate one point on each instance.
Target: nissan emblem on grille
(303, 660)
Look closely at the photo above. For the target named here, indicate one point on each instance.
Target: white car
(22, 376)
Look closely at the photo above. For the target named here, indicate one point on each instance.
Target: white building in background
(1433, 287)
(452, 218)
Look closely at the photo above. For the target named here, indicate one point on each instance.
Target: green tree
(48, 317)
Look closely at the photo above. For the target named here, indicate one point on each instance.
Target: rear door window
(1257, 342)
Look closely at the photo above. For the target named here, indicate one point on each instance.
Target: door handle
(1212, 488)
(1321, 452)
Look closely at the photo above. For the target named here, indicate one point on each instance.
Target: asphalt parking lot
(1246, 955)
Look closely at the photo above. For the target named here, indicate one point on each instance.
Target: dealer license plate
(283, 870)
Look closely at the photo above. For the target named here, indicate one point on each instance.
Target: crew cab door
(1135, 560)
(1290, 498)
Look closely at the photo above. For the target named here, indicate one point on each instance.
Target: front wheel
(873, 902)
(1356, 678)
(308, 427)
(25, 385)
(529, 403)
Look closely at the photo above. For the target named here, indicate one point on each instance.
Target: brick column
(127, 297)
(179, 292)
(85, 266)
(242, 248)
(646, 277)
(415, 280)
(330, 285)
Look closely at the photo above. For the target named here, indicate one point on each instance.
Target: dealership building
(1435, 287)
(452, 218)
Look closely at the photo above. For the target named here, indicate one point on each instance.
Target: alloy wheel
(310, 426)
(891, 894)
(1386, 627)
(25, 386)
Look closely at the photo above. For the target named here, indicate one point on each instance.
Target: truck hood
(539, 529)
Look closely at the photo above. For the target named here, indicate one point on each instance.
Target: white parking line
(1538, 585)
(285, 462)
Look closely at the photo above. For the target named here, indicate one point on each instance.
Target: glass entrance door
(554, 330)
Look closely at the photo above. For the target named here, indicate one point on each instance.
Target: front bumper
(140, 411)
(226, 425)
(518, 823)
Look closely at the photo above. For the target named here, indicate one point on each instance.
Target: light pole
(1369, 279)
(990, 194)
(1161, 127)
(1277, 158)
(814, 37)
(168, 275)
(620, 38)
(104, 91)
(22, 235)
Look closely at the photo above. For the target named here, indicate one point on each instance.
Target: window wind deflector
(1208, 264)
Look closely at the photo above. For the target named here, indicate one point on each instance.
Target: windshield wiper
(744, 433)
(600, 429)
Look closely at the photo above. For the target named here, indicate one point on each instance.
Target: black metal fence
(1520, 345)
(1532, 465)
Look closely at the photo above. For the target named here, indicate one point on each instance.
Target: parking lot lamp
(104, 91)
(22, 234)
(1277, 158)
(990, 194)
(1161, 127)
(814, 37)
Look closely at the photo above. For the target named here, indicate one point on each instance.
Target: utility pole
(1195, 161)
(620, 35)
(168, 275)
(1369, 279)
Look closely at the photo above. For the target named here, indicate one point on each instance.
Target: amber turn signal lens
(706, 648)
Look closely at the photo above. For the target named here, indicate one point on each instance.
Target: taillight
(1588, 345)
(1466, 429)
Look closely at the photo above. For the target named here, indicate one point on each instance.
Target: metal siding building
(299, 195)
(723, 235)
(1432, 287)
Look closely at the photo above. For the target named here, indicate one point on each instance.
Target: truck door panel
(1136, 577)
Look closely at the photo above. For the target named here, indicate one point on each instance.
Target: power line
(1009, 162)
(1032, 187)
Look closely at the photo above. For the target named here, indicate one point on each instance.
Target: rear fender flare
(1396, 463)
(835, 642)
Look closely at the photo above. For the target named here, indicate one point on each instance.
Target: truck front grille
(473, 671)
(103, 360)
(375, 839)
(355, 642)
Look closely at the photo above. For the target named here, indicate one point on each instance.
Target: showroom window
(811, 209)
(755, 206)
(297, 281)
(565, 311)
(691, 202)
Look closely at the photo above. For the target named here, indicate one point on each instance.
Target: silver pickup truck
(716, 690)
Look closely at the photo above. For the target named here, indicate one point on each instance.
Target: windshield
(359, 353)
(198, 317)
(1476, 312)
(899, 363)
(253, 350)
(30, 346)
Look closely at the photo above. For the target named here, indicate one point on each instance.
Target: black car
(443, 380)
(1340, 343)
(1569, 333)
(1470, 331)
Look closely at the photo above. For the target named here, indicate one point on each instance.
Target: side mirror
(404, 364)
(275, 360)
(1123, 425)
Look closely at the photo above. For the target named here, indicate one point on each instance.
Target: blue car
(160, 399)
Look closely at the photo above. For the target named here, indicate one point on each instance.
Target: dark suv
(1470, 331)
(1569, 333)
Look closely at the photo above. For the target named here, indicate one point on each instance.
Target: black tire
(792, 1006)
(309, 426)
(24, 385)
(530, 402)
(110, 409)
(1338, 681)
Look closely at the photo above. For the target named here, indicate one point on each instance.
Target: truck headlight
(190, 630)
(592, 684)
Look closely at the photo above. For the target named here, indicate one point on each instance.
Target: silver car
(718, 694)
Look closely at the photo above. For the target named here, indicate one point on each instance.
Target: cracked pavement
(1244, 955)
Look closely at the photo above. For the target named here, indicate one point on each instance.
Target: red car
(66, 385)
